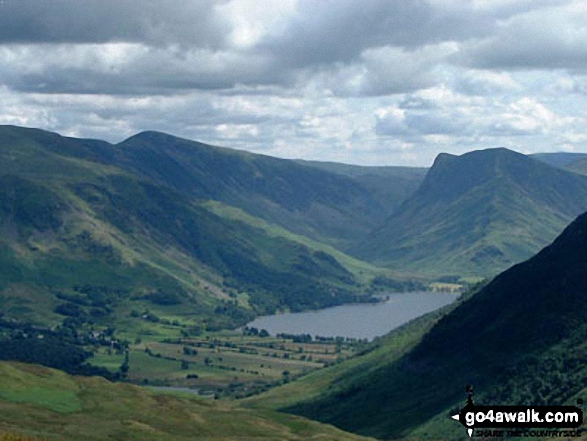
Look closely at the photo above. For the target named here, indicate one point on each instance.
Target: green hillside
(477, 214)
(579, 166)
(521, 339)
(559, 159)
(303, 199)
(575, 162)
(95, 232)
(43, 404)
(390, 186)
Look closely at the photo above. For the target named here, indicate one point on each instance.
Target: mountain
(390, 186)
(559, 159)
(521, 339)
(40, 403)
(575, 162)
(477, 214)
(306, 200)
(155, 227)
(579, 166)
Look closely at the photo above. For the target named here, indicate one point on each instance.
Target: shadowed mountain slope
(136, 222)
(477, 214)
(390, 186)
(520, 340)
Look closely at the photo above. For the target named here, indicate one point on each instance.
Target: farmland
(227, 363)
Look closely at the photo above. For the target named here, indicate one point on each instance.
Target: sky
(369, 82)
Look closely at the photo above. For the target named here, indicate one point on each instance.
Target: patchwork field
(223, 363)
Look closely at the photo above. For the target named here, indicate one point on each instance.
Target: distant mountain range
(521, 339)
(390, 186)
(477, 214)
(575, 162)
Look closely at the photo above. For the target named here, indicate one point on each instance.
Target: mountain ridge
(521, 339)
(71, 215)
(478, 213)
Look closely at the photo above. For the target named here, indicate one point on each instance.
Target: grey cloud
(416, 124)
(149, 71)
(153, 22)
(390, 126)
(508, 129)
(349, 47)
(552, 38)
(432, 124)
(329, 32)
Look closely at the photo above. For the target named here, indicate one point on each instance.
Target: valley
(175, 265)
(226, 364)
(254, 220)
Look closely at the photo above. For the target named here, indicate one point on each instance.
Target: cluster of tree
(63, 347)
(163, 298)
(297, 338)
(271, 290)
(381, 283)
(52, 351)
(189, 351)
(230, 308)
(255, 332)
(88, 302)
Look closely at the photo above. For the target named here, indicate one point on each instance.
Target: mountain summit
(478, 214)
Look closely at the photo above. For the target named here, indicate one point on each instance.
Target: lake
(359, 320)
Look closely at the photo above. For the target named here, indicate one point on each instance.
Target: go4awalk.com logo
(526, 421)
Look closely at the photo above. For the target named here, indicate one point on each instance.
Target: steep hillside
(84, 233)
(477, 214)
(579, 166)
(575, 162)
(316, 203)
(522, 339)
(559, 159)
(42, 403)
(390, 186)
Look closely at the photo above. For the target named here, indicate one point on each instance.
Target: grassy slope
(575, 162)
(579, 166)
(478, 214)
(559, 159)
(69, 218)
(363, 271)
(520, 340)
(47, 404)
(389, 185)
(316, 203)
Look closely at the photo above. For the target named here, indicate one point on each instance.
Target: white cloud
(365, 82)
